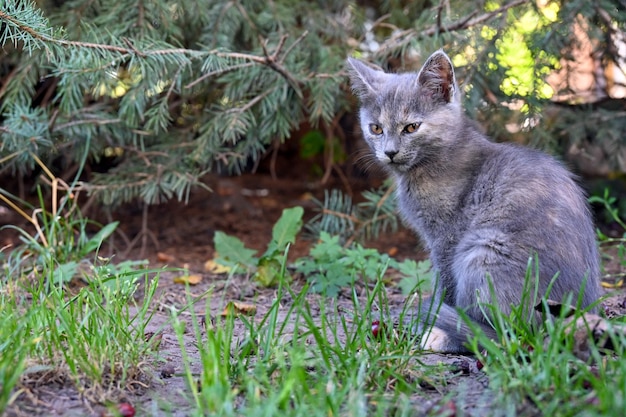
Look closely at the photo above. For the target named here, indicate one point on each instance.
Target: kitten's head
(407, 118)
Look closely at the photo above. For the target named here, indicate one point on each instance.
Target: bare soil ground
(246, 207)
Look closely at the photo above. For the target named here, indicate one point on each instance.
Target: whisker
(367, 162)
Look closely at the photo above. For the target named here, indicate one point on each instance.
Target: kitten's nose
(391, 153)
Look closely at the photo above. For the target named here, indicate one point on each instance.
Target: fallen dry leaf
(164, 257)
(237, 308)
(307, 196)
(618, 284)
(215, 268)
(600, 330)
(192, 279)
(584, 326)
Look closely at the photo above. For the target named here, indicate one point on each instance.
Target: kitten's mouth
(394, 159)
(404, 161)
(406, 165)
(399, 165)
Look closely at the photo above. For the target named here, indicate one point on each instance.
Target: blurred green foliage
(159, 93)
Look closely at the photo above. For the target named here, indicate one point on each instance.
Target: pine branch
(182, 92)
(471, 21)
(272, 60)
(467, 22)
(338, 216)
(85, 122)
(23, 27)
(219, 72)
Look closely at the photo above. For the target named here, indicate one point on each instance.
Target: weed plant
(312, 356)
(65, 318)
(92, 337)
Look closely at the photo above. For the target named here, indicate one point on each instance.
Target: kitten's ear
(364, 80)
(437, 78)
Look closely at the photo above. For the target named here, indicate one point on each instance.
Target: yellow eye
(376, 129)
(411, 128)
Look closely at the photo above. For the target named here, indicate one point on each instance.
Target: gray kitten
(482, 209)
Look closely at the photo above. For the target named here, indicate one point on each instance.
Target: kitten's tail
(444, 330)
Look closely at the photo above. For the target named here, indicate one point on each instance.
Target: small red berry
(126, 410)
(375, 328)
(448, 409)
(378, 329)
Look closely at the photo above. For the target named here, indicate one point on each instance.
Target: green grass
(324, 363)
(66, 318)
(548, 370)
(309, 357)
(330, 364)
(92, 336)
(306, 355)
(542, 375)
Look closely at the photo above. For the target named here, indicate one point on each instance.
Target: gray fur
(482, 209)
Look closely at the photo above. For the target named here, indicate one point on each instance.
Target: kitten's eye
(411, 128)
(376, 129)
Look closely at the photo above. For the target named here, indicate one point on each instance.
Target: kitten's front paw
(435, 340)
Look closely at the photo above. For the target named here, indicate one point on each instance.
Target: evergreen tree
(172, 90)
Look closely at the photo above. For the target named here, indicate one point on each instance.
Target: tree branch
(470, 20)
(272, 60)
(98, 122)
(219, 72)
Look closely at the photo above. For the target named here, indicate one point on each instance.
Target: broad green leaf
(416, 275)
(328, 249)
(268, 272)
(287, 227)
(64, 272)
(231, 251)
(285, 231)
(97, 239)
